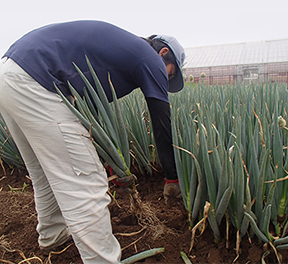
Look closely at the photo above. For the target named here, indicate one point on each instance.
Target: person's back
(48, 53)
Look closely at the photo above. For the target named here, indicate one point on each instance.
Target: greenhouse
(246, 62)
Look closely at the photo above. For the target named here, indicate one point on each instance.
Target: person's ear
(163, 51)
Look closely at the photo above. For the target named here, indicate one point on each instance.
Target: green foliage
(114, 131)
(234, 135)
(18, 189)
(9, 152)
(107, 127)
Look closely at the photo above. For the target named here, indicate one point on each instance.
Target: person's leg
(70, 163)
(52, 228)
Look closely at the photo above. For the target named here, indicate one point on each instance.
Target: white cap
(176, 83)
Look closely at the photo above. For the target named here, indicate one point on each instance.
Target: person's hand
(126, 182)
(172, 192)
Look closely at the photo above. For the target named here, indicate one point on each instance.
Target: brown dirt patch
(18, 222)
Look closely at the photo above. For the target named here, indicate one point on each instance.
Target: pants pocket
(83, 155)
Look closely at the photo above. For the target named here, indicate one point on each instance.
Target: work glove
(126, 182)
(172, 192)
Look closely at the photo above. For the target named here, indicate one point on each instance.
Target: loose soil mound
(18, 237)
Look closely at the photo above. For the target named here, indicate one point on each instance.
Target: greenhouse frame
(246, 62)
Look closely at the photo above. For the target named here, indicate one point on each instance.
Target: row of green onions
(231, 150)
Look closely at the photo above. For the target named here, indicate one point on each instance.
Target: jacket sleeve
(161, 123)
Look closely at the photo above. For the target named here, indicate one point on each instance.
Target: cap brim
(176, 84)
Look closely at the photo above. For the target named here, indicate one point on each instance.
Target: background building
(245, 62)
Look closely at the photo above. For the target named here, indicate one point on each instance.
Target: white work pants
(69, 181)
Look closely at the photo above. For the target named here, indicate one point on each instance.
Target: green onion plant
(9, 152)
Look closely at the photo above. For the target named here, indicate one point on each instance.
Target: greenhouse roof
(256, 52)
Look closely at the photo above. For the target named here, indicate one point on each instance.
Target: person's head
(160, 46)
(173, 55)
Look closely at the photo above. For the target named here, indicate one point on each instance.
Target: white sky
(193, 23)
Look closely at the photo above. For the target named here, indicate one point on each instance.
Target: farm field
(231, 157)
(19, 238)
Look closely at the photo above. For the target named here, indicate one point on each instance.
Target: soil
(18, 237)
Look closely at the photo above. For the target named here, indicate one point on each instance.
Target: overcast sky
(193, 23)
